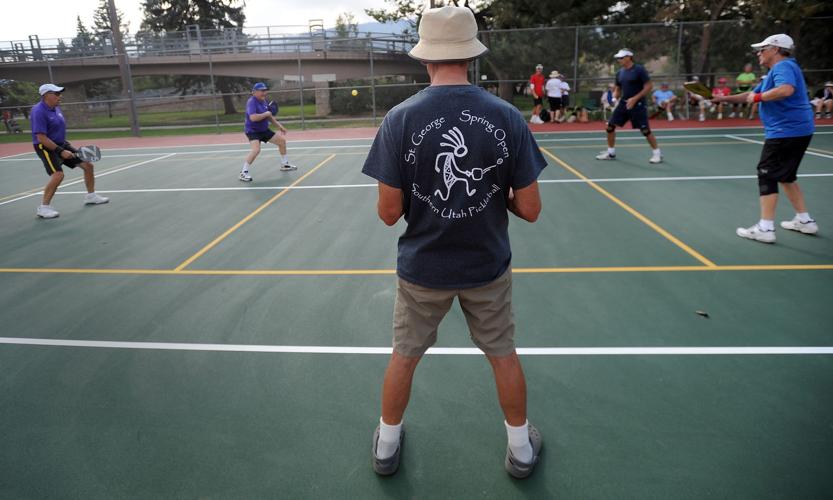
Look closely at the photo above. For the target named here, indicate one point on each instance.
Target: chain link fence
(207, 99)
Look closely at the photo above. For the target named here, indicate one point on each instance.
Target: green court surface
(203, 338)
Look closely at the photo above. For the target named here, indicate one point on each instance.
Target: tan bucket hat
(447, 34)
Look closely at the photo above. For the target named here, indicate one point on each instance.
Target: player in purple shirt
(49, 130)
(259, 115)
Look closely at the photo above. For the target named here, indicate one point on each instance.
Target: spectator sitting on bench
(665, 100)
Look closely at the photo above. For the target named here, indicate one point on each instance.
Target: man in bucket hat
(788, 126)
(454, 160)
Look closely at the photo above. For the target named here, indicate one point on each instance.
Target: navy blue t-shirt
(631, 81)
(454, 151)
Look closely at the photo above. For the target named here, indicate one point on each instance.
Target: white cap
(49, 87)
(539, 66)
(779, 40)
(623, 53)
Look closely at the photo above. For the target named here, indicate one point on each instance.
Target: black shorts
(555, 103)
(779, 162)
(52, 161)
(261, 136)
(565, 100)
(537, 101)
(638, 115)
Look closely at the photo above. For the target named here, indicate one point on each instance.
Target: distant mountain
(394, 28)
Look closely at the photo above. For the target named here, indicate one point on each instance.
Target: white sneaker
(702, 118)
(720, 116)
(245, 177)
(670, 117)
(95, 199)
(47, 212)
(795, 224)
(732, 114)
(655, 158)
(286, 167)
(755, 233)
(604, 155)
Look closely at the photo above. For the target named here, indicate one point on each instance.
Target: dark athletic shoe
(521, 470)
(388, 466)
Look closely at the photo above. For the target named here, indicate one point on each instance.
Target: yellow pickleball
(355, 92)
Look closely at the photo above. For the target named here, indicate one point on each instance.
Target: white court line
(12, 156)
(292, 144)
(103, 174)
(524, 351)
(737, 138)
(203, 152)
(349, 186)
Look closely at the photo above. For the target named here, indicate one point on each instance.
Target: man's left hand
(630, 103)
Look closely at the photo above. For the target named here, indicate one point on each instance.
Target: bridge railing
(198, 42)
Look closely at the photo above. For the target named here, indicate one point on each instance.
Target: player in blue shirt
(258, 117)
(49, 131)
(788, 124)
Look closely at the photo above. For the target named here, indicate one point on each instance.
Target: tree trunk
(228, 105)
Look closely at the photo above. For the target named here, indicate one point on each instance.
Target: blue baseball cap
(260, 86)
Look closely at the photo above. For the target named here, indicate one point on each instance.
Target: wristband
(757, 97)
(58, 150)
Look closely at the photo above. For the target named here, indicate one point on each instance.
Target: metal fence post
(679, 45)
(213, 93)
(301, 87)
(575, 65)
(372, 83)
(49, 68)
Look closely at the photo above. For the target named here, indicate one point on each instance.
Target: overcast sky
(56, 18)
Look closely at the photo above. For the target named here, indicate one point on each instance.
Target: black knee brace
(765, 184)
(610, 128)
(646, 131)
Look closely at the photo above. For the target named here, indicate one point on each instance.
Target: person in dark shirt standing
(633, 83)
(454, 160)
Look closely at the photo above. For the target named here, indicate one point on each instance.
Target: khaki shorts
(488, 309)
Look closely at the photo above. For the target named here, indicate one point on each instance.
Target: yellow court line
(390, 272)
(670, 237)
(249, 217)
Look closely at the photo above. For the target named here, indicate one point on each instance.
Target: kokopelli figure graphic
(452, 174)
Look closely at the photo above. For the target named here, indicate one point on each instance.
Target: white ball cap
(49, 87)
(623, 53)
(779, 40)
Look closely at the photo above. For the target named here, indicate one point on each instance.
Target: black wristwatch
(58, 150)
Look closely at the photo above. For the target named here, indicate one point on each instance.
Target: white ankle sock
(804, 217)
(388, 439)
(766, 225)
(611, 151)
(657, 152)
(519, 441)
(245, 167)
(285, 159)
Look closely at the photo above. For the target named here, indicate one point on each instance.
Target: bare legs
(509, 378)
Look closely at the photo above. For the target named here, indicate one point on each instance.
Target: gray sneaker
(521, 470)
(388, 466)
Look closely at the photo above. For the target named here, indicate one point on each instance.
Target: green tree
(178, 15)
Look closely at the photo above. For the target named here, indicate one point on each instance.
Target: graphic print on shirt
(456, 164)
(451, 172)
